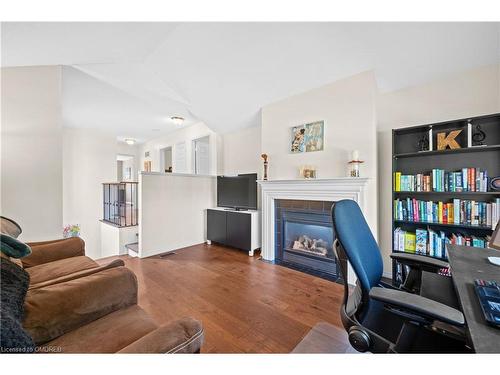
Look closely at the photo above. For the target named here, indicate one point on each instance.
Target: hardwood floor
(245, 304)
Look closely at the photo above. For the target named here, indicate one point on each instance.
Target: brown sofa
(74, 305)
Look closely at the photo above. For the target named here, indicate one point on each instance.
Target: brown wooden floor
(245, 304)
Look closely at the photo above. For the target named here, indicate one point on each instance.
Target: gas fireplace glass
(312, 239)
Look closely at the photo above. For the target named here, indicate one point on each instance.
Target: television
(237, 192)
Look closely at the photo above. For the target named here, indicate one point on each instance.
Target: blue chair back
(357, 240)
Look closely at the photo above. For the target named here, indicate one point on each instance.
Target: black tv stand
(238, 228)
(236, 209)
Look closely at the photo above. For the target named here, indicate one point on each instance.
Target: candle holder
(354, 167)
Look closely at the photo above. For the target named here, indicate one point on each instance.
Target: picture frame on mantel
(309, 137)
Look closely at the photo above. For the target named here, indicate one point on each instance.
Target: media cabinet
(238, 229)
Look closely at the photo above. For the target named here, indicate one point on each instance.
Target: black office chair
(421, 316)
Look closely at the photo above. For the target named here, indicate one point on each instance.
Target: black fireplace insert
(304, 237)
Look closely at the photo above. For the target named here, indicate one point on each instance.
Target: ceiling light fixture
(177, 120)
(130, 141)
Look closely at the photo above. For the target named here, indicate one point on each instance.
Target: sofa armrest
(182, 336)
(50, 251)
(418, 305)
(56, 309)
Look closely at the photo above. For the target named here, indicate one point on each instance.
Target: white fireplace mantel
(328, 189)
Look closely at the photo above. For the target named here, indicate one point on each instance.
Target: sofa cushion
(50, 251)
(57, 309)
(58, 268)
(108, 334)
(82, 273)
(13, 338)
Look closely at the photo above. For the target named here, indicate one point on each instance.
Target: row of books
(433, 243)
(458, 211)
(467, 179)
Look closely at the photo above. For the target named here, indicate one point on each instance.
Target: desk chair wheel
(359, 339)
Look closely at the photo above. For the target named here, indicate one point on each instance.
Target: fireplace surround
(328, 189)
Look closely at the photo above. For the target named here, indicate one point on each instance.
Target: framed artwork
(298, 139)
(308, 137)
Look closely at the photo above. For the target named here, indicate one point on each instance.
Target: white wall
(348, 109)
(242, 152)
(470, 93)
(173, 211)
(187, 135)
(31, 154)
(89, 159)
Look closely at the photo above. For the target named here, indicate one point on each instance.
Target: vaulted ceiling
(130, 78)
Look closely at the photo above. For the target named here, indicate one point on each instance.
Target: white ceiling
(131, 78)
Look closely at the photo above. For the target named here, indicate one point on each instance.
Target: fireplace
(304, 237)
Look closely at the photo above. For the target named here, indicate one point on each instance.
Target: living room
(250, 187)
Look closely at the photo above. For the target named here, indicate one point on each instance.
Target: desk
(467, 264)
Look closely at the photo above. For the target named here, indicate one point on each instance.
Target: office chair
(420, 316)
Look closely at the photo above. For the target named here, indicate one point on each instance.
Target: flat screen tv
(237, 192)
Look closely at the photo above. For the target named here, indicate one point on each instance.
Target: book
(409, 241)
(421, 241)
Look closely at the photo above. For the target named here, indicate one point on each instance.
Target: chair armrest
(50, 251)
(54, 310)
(418, 305)
(419, 261)
(182, 336)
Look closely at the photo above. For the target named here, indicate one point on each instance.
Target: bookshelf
(467, 200)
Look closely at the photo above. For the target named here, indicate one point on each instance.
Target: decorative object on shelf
(448, 140)
(265, 158)
(423, 143)
(495, 184)
(354, 164)
(478, 136)
(307, 137)
(147, 166)
(71, 230)
(307, 171)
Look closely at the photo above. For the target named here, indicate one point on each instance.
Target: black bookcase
(409, 159)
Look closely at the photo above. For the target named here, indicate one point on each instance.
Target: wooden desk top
(468, 264)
